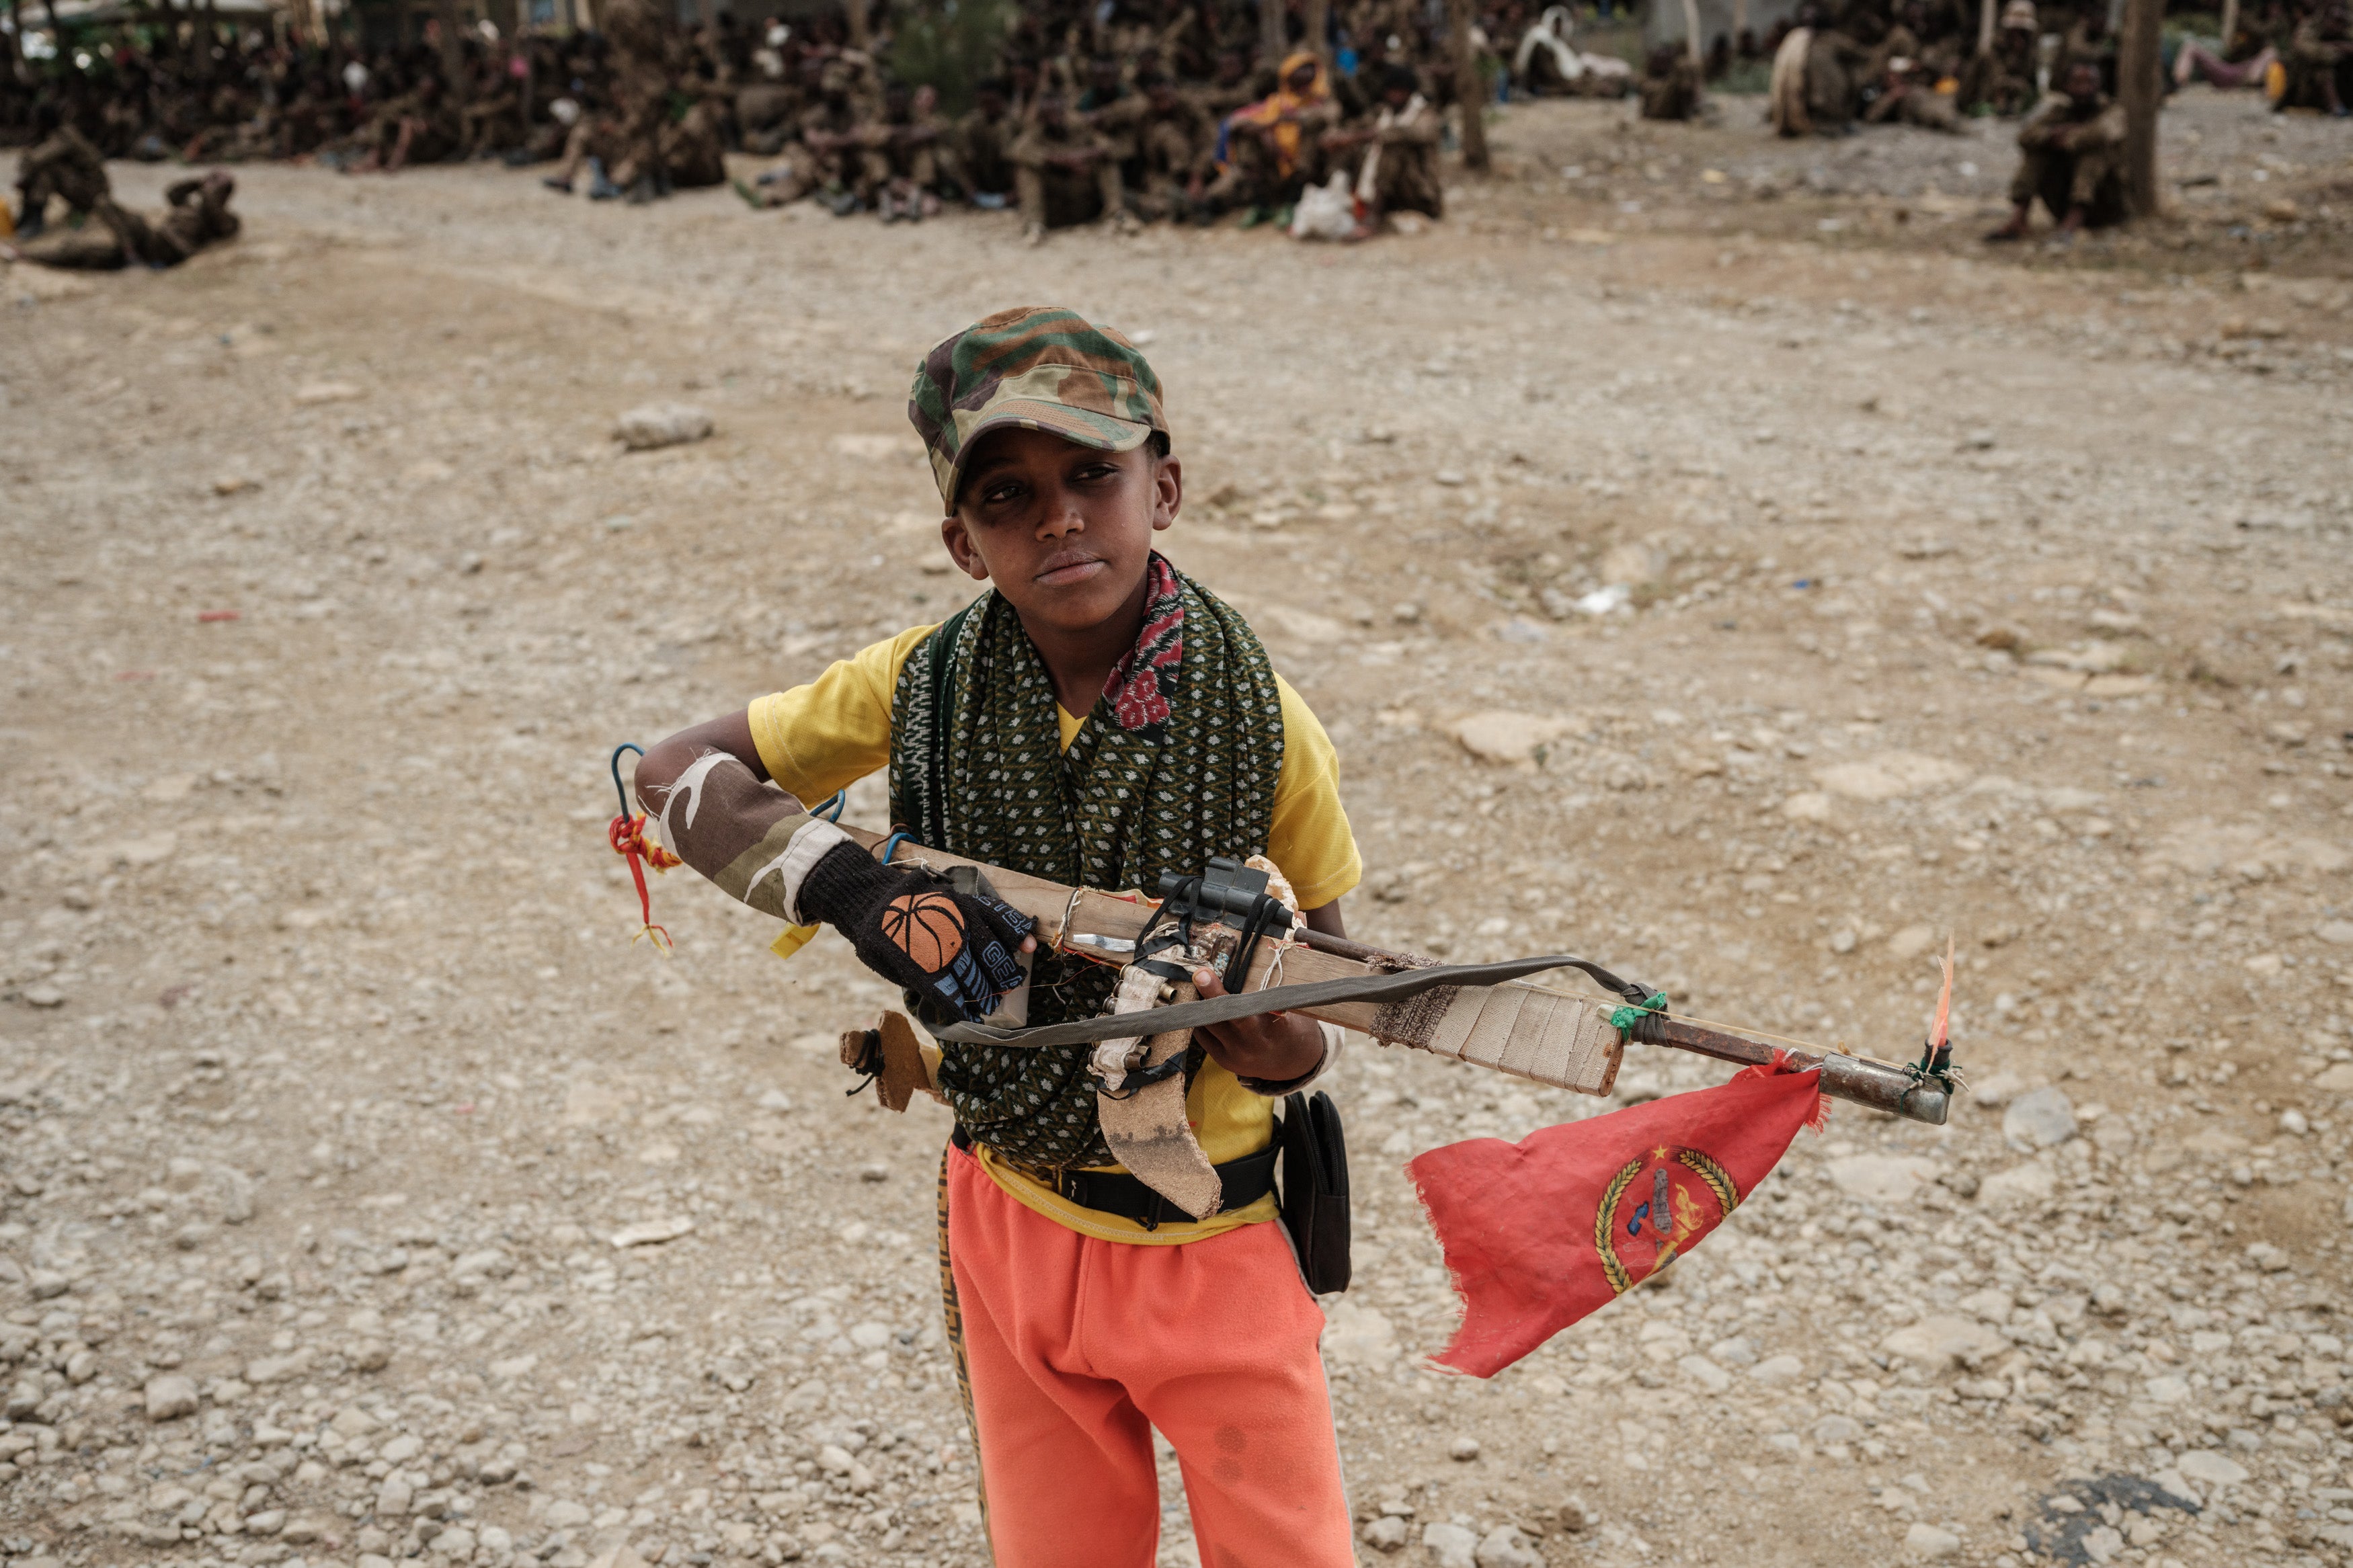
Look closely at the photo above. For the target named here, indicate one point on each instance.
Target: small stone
(42, 997)
(312, 393)
(170, 1396)
(1928, 1543)
(833, 1459)
(1995, 1089)
(2209, 1469)
(1505, 737)
(1449, 1545)
(647, 1233)
(305, 1528)
(1832, 1429)
(1462, 1450)
(1575, 1517)
(1938, 1344)
(2017, 1187)
(2292, 1122)
(352, 1421)
(2338, 931)
(1889, 1180)
(269, 1521)
(1776, 1369)
(1706, 1372)
(1506, 1547)
(2038, 1118)
(47, 1284)
(2167, 1390)
(1733, 1352)
(1386, 1533)
(656, 424)
(566, 1515)
(392, 1498)
(1359, 1335)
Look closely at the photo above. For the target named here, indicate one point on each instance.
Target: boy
(1098, 719)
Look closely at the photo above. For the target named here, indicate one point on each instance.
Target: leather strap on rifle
(1147, 1128)
(892, 1060)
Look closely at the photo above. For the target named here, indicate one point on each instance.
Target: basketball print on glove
(927, 927)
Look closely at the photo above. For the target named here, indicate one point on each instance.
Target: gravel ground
(342, 1120)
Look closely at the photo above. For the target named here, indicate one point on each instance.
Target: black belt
(1242, 1182)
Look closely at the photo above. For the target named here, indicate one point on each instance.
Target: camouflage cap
(1038, 368)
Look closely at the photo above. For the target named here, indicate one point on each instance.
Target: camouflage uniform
(2073, 155)
(1055, 196)
(66, 165)
(983, 150)
(197, 217)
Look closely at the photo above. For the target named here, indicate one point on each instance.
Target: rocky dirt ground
(367, 1194)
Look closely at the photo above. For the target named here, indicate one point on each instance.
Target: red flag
(1541, 1232)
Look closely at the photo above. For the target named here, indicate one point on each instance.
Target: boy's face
(1062, 530)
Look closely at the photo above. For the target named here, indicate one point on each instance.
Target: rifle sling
(1393, 987)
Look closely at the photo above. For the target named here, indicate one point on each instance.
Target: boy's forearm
(755, 844)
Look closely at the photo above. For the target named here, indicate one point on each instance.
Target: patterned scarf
(1177, 762)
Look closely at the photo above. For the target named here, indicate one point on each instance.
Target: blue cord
(891, 846)
(618, 790)
(830, 808)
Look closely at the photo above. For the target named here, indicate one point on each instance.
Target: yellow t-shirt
(827, 735)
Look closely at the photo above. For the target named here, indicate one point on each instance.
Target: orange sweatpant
(1076, 1346)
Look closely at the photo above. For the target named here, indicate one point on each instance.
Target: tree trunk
(16, 71)
(1739, 21)
(2230, 25)
(2139, 85)
(1468, 94)
(453, 52)
(1691, 32)
(1319, 27)
(1985, 25)
(1272, 40)
(856, 12)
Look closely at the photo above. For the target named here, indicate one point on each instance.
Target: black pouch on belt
(1316, 1190)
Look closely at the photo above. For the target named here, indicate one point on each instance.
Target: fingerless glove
(956, 949)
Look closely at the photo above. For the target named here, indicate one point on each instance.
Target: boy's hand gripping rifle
(1485, 1012)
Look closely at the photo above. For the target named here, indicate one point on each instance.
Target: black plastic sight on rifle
(1228, 893)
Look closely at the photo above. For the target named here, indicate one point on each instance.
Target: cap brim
(1100, 432)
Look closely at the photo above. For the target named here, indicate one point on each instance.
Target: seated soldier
(1179, 151)
(984, 145)
(60, 163)
(2072, 157)
(1115, 113)
(1670, 87)
(832, 131)
(902, 149)
(1908, 96)
(2318, 52)
(2231, 64)
(2087, 39)
(1065, 173)
(1273, 147)
(198, 215)
(693, 147)
(2001, 80)
(1400, 171)
(1227, 91)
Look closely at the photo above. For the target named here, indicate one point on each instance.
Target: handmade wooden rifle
(1488, 1014)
